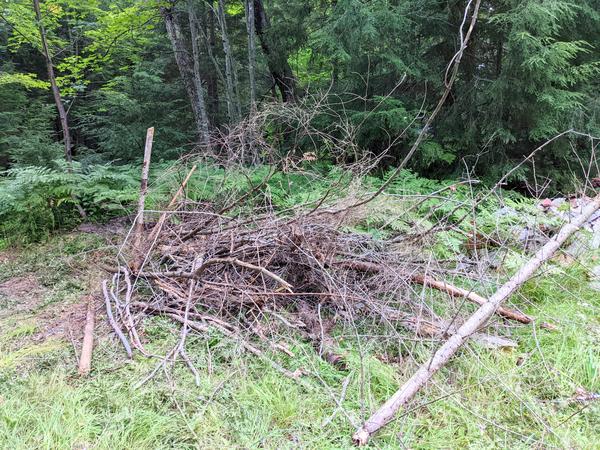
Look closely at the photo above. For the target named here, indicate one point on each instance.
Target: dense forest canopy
(191, 68)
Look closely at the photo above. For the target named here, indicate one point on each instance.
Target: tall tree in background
(280, 69)
(233, 99)
(251, 30)
(187, 69)
(197, 76)
(62, 113)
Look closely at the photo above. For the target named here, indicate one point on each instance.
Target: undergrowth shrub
(34, 201)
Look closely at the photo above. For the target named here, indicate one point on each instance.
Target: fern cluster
(34, 200)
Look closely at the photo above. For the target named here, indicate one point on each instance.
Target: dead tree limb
(389, 409)
(163, 217)
(455, 291)
(452, 69)
(85, 361)
(113, 322)
(442, 286)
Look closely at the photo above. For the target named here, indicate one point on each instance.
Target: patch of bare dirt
(6, 257)
(20, 294)
(116, 226)
(64, 321)
(19, 286)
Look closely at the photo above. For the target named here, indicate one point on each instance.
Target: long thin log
(389, 409)
(469, 295)
(85, 361)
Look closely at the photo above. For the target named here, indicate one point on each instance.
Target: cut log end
(361, 437)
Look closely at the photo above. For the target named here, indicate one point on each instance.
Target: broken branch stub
(389, 409)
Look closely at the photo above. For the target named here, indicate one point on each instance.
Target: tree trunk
(499, 49)
(197, 76)
(278, 65)
(211, 77)
(186, 70)
(62, 114)
(251, 29)
(233, 100)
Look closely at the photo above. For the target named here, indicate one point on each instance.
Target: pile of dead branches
(249, 277)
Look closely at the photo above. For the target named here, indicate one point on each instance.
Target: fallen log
(85, 361)
(389, 409)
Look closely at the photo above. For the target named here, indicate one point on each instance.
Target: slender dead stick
(453, 69)
(442, 286)
(113, 322)
(85, 361)
(163, 216)
(139, 229)
(469, 295)
(389, 409)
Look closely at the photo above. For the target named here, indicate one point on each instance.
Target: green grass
(483, 399)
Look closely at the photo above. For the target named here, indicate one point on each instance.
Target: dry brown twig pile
(300, 272)
(257, 278)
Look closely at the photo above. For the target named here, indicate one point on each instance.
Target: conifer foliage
(194, 67)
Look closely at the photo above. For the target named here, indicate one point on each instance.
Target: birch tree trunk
(62, 114)
(185, 66)
(478, 319)
(251, 29)
(233, 101)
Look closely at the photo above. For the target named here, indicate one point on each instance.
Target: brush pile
(255, 279)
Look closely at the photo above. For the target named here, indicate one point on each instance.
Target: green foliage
(26, 135)
(27, 80)
(117, 116)
(531, 71)
(34, 201)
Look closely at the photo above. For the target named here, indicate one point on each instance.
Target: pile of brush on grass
(258, 278)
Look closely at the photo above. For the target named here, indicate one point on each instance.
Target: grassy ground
(484, 399)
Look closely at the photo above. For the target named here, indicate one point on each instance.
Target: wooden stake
(85, 361)
(139, 226)
(389, 409)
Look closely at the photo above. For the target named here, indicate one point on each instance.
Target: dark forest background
(192, 68)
